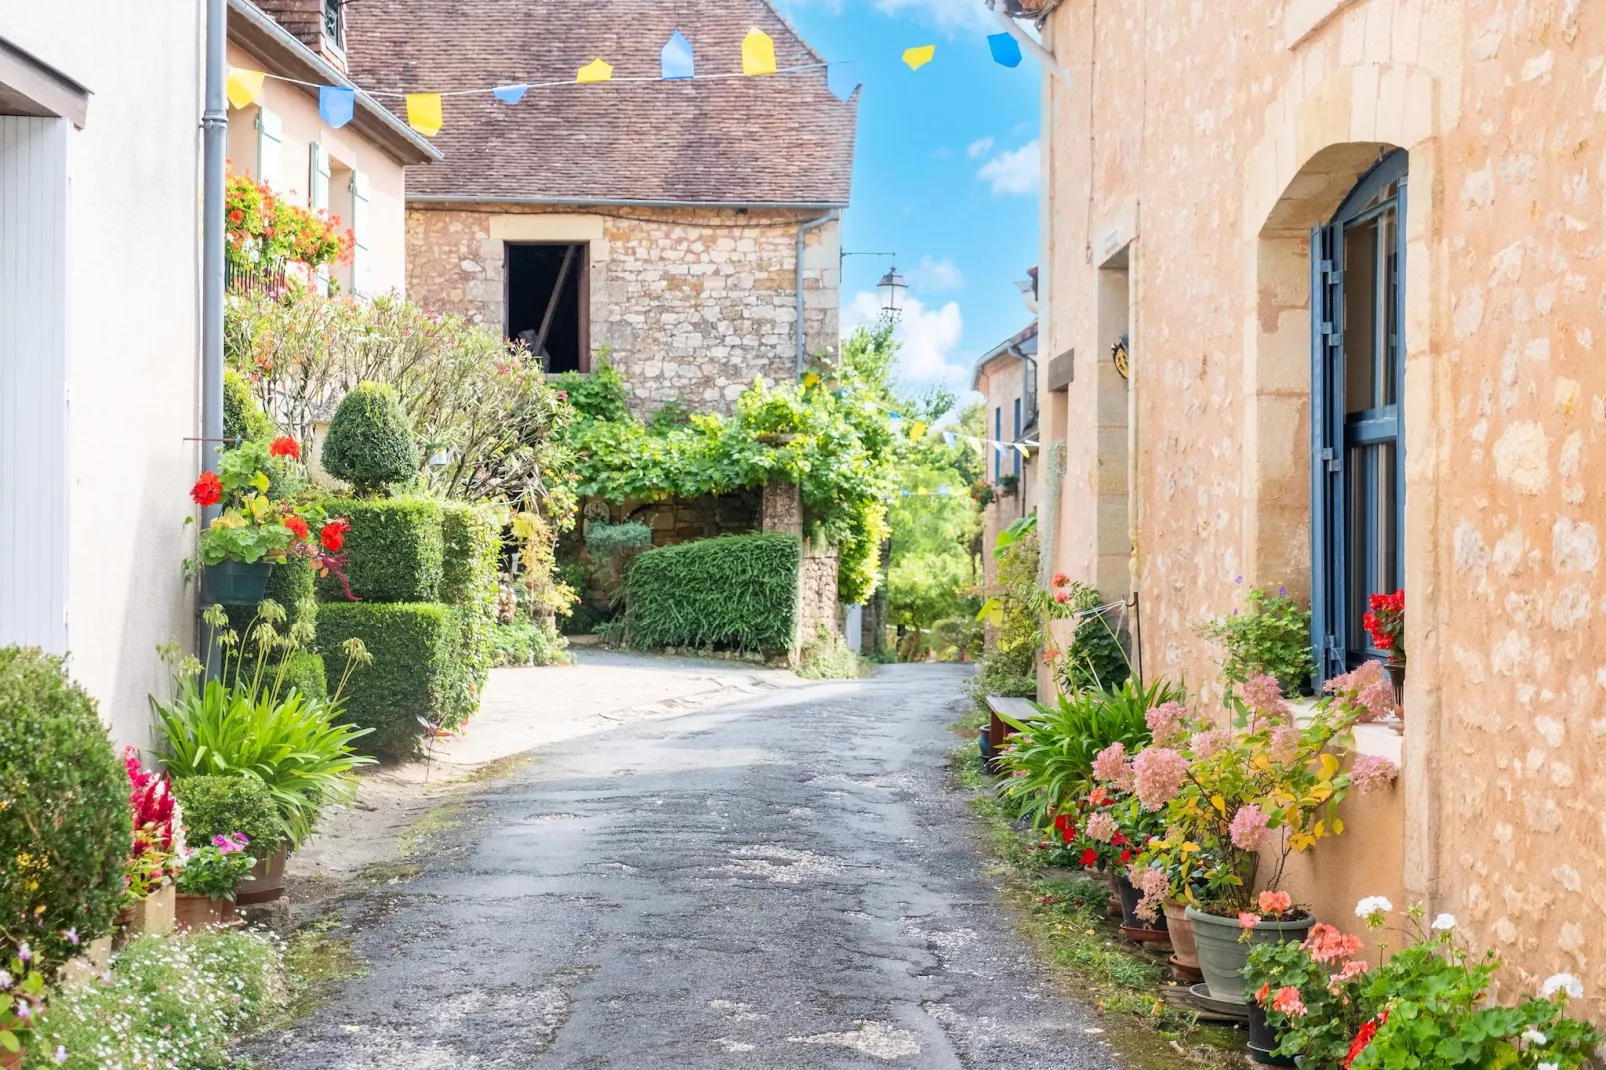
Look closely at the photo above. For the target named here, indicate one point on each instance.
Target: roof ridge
(792, 29)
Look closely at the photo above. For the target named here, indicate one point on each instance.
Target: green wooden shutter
(270, 142)
(361, 263)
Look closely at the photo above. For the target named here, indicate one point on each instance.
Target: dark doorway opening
(547, 299)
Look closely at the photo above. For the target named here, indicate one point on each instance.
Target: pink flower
(1250, 828)
(1327, 945)
(1368, 686)
(1264, 695)
(1287, 1002)
(1165, 720)
(1284, 743)
(1372, 773)
(1155, 886)
(1275, 902)
(1101, 826)
(1247, 920)
(1112, 768)
(1343, 977)
(1157, 776)
(1209, 743)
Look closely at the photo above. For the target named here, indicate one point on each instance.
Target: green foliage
(395, 550)
(737, 592)
(243, 418)
(825, 657)
(251, 527)
(1009, 666)
(822, 436)
(215, 871)
(605, 540)
(409, 687)
(304, 671)
(1094, 658)
(218, 805)
(370, 442)
(528, 642)
(471, 546)
(170, 1001)
(1271, 637)
(65, 826)
(928, 587)
(1051, 760)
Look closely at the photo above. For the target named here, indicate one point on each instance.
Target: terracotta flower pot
(1223, 957)
(197, 912)
(10, 1060)
(1181, 929)
(266, 882)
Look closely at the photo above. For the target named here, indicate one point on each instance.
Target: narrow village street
(787, 882)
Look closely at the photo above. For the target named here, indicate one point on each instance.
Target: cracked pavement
(786, 882)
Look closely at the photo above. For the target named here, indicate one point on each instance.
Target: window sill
(1382, 739)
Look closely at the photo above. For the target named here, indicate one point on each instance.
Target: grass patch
(435, 823)
(315, 963)
(1068, 922)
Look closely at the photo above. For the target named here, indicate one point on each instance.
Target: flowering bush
(265, 231)
(158, 846)
(1271, 636)
(22, 994)
(1426, 1006)
(216, 869)
(1265, 785)
(1385, 623)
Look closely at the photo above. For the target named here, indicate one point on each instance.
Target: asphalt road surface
(787, 883)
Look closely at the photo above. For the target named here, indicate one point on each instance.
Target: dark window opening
(547, 297)
(333, 23)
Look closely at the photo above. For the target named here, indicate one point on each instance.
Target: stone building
(677, 229)
(1355, 246)
(1006, 378)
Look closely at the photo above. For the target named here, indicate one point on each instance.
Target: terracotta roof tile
(779, 139)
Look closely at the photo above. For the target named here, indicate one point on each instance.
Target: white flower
(1373, 904)
(1549, 1066)
(1534, 1036)
(1444, 923)
(1562, 982)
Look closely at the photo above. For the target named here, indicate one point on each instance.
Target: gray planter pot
(1222, 956)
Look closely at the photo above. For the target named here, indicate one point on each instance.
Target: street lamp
(893, 287)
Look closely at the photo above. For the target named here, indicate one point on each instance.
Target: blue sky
(946, 174)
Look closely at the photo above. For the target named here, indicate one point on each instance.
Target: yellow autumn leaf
(1219, 803)
(1189, 848)
(1330, 765)
(1338, 826)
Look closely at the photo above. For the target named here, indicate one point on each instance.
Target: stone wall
(1182, 179)
(691, 304)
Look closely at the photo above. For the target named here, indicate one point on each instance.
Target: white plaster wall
(133, 345)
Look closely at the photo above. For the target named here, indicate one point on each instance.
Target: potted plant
(237, 806)
(252, 532)
(1385, 623)
(207, 883)
(156, 851)
(1257, 790)
(1271, 637)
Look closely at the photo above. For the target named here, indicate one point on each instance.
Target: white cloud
(937, 276)
(928, 339)
(950, 16)
(1014, 172)
(980, 148)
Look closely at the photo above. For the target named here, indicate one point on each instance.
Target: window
(270, 138)
(334, 24)
(1017, 436)
(1357, 390)
(998, 436)
(548, 303)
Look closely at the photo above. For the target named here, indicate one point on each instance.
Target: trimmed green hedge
(218, 805)
(305, 672)
(370, 443)
(472, 546)
(394, 550)
(736, 592)
(415, 673)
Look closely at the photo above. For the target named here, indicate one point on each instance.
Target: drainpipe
(215, 150)
(802, 241)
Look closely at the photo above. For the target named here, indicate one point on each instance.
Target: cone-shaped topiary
(370, 443)
(65, 823)
(242, 416)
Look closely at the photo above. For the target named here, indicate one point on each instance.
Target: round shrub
(370, 442)
(219, 805)
(65, 826)
(242, 416)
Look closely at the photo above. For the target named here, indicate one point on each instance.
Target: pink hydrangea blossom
(1101, 827)
(1112, 768)
(1250, 828)
(1372, 773)
(1264, 695)
(1208, 744)
(1155, 886)
(1157, 776)
(1284, 743)
(1165, 720)
(1368, 686)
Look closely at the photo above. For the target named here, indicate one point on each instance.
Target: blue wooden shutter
(1328, 599)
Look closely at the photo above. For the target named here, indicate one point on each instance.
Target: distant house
(1006, 378)
(659, 223)
(357, 172)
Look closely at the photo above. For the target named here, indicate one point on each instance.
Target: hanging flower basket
(236, 583)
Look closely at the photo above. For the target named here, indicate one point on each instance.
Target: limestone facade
(1185, 166)
(691, 304)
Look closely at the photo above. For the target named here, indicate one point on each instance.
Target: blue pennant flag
(335, 104)
(842, 79)
(676, 61)
(510, 94)
(1006, 49)
(949, 437)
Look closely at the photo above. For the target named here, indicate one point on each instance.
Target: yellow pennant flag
(917, 431)
(1024, 452)
(923, 490)
(758, 53)
(424, 113)
(243, 86)
(919, 57)
(593, 72)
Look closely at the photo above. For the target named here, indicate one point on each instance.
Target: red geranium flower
(1126, 855)
(1061, 579)
(1364, 1037)
(297, 526)
(333, 534)
(208, 490)
(285, 446)
(1089, 856)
